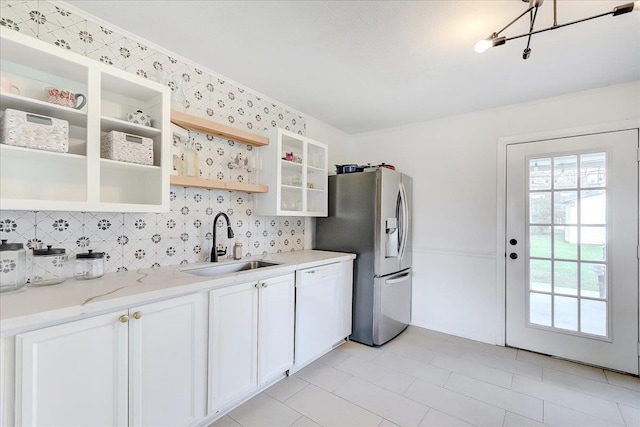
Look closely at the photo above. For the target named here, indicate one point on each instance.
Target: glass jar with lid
(89, 265)
(13, 266)
(49, 266)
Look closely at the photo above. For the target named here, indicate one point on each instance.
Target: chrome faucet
(214, 249)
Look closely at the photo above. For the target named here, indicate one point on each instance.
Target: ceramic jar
(139, 118)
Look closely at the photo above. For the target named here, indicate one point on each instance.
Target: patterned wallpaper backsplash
(183, 235)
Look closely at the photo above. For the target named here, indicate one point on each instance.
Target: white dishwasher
(323, 310)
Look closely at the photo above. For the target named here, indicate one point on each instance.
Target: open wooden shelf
(212, 128)
(190, 181)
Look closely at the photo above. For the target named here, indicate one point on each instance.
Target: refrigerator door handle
(398, 279)
(404, 221)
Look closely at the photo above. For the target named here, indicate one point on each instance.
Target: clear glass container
(89, 265)
(49, 266)
(237, 251)
(13, 266)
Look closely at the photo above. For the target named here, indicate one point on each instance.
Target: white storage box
(29, 130)
(125, 147)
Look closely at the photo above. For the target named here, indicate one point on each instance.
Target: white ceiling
(366, 65)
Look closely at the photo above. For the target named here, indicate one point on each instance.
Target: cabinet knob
(124, 318)
(257, 285)
(264, 285)
(137, 315)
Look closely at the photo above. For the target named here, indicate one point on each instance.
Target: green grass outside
(565, 272)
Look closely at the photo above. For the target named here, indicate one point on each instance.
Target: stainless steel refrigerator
(370, 215)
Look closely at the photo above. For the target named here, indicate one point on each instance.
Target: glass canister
(89, 265)
(49, 266)
(13, 266)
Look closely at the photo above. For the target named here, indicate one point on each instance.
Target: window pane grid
(573, 278)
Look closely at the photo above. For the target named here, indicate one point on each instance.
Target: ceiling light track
(496, 40)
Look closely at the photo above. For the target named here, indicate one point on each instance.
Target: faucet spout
(214, 249)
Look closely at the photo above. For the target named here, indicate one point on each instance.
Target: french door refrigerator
(370, 215)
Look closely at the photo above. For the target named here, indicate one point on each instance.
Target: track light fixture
(496, 40)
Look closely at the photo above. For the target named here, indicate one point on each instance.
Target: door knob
(513, 255)
(124, 318)
(513, 242)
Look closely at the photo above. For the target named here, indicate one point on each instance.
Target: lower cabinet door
(233, 331)
(168, 357)
(73, 374)
(276, 327)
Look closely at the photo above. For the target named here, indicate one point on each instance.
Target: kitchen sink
(229, 267)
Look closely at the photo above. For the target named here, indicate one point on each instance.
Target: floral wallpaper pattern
(184, 235)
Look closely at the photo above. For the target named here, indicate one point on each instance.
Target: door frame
(501, 193)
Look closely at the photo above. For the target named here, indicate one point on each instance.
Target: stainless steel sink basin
(228, 268)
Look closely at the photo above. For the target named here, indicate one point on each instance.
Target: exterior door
(168, 356)
(572, 248)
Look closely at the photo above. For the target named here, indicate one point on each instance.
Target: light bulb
(483, 45)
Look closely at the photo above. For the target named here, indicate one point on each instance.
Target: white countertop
(71, 299)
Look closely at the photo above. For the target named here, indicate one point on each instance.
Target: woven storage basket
(125, 147)
(29, 130)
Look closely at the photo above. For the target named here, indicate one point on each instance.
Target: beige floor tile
(594, 388)
(329, 410)
(559, 416)
(496, 350)
(514, 366)
(387, 423)
(509, 400)
(630, 415)
(474, 370)
(334, 357)
(412, 367)
(305, 422)
(225, 421)
(284, 389)
(424, 347)
(360, 350)
(562, 365)
(455, 404)
(323, 376)
(435, 418)
(263, 410)
(391, 406)
(551, 393)
(386, 378)
(622, 380)
(411, 349)
(515, 420)
(427, 332)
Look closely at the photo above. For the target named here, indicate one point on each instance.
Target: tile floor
(425, 378)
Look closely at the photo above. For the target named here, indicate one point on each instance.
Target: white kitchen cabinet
(74, 374)
(275, 327)
(141, 367)
(323, 309)
(80, 180)
(251, 338)
(298, 182)
(168, 362)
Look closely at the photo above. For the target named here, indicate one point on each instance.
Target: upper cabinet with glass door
(48, 90)
(295, 168)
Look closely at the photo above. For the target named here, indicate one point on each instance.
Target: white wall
(453, 164)
(338, 154)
